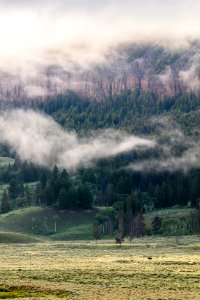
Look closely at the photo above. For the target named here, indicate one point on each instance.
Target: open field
(102, 270)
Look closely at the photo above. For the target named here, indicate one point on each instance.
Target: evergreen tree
(43, 181)
(27, 196)
(121, 217)
(50, 195)
(84, 195)
(134, 215)
(72, 198)
(13, 189)
(40, 195)
(55, 173)
(156, 225)
(5, 205)
(62, 199)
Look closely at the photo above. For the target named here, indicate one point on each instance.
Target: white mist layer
(40, 33)
(39, 139)
(170, 136)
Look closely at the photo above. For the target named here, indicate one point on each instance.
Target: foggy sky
(84, 31)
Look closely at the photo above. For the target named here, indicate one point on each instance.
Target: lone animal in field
(119, 240)
(97, 238)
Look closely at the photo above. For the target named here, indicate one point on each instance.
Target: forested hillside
(130, 111)
(148, 66)
(108, 182)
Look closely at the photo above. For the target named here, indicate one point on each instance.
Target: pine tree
(62, 199)
(72, 199)
(13, 189)
(156, 225)
(50, 195)
(55, 173)
(120, 215)
(84, 197)
(43, 181)
(27, 196)
(5, 205)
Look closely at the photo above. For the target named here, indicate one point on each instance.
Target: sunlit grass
(104, 270)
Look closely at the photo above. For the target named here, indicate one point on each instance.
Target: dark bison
(119, 240)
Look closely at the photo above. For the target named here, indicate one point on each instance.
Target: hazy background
(38, 33)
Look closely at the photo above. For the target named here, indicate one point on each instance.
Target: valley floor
(148, 268)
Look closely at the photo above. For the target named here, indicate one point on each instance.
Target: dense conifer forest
(107, 183)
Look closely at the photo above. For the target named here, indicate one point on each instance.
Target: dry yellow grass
(103, 270)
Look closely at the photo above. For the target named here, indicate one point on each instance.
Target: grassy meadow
(69, 264)
(101, 270)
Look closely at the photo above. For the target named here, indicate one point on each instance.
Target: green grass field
(40, 222)
(102, 270)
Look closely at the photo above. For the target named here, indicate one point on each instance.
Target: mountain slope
(147, 67)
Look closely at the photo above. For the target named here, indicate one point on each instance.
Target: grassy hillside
(70, 225)
(175, 221)
(13, 237)
(40, 221)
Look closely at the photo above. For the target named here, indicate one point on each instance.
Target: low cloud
(39, 139)
(80, 35)
(35, 33)
(176, 151)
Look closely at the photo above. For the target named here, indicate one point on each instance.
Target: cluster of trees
(160, 190)
(60, 191)
(129, 110)
(28, 185)
(18, 182)
(126, 217)
(17, 195)
(103, 185)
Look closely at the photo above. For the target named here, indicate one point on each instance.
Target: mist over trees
(108, 183)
